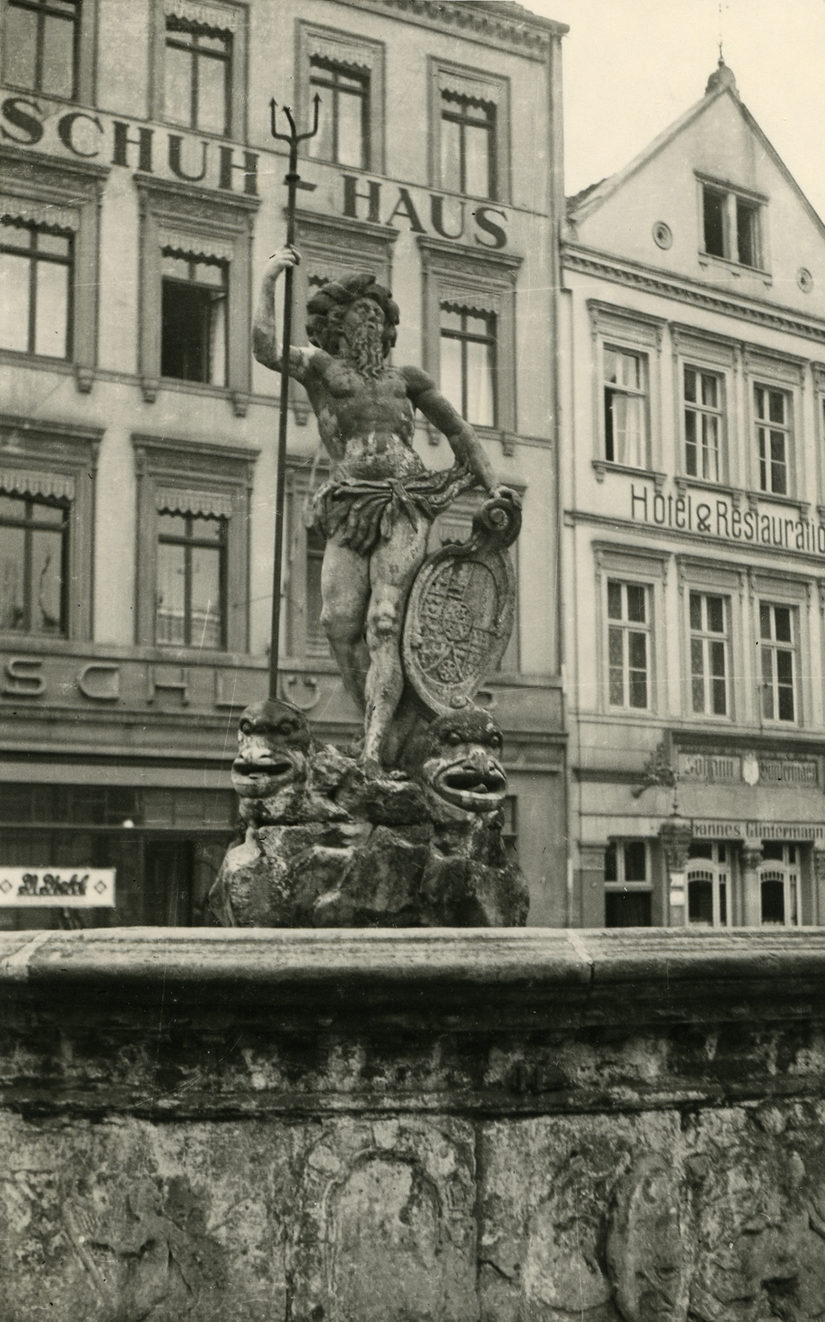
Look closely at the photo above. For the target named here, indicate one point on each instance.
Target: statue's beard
(366, 350)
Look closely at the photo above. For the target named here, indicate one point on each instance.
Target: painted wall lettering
(365, 199)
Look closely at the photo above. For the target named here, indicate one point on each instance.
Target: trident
(291, 179)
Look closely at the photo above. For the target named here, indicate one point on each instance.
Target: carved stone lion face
(274, 741)
(460, 761)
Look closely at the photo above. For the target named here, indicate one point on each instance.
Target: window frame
(789, 873)
(625, 331)
(62, 195)
(621, 885)
(720, 873)
(694, 349)
(733, 198)
(84, 57)
(486, 283)
(647, 569)
(225, 16)
(773, 646)
(193, 223)
(301, 479)
(471, 84)
(209, 294)
(464, 337)
(347, 52)
(627, 627)
(187, 477)
(707, 637)
(189, 542)
(56, 458)
(697, 575)
(34, 256)
(787, 375)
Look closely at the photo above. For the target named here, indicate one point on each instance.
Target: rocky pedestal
(430, 1126)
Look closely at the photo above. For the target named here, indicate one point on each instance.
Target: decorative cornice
(591, 263)
(493, 21)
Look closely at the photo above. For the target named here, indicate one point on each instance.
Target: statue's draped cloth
(359, 513)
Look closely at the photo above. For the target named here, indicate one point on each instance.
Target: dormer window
(731, 226)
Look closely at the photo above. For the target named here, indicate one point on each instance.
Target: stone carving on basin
(406, 829)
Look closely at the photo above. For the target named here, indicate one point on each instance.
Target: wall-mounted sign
(722, 518)
(751, 768)
(709, 828)
(57, 888)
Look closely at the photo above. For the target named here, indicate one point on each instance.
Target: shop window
(49, 226)
(200, 52)
(774, 439)
(197, 76)
(703, 423)
(196, 310)
(778, 648)
(708, 879)
(193, 511)
(193, 319)
(36, 273)
(628, 645)
(778, 876)
(470, 131)
(709, 653)
(47, 474)
(731, 226)
(468, 362)
(625, 407)
(627, 884)
(347, 73)
(469, 331)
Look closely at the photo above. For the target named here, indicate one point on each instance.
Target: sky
(631, 67)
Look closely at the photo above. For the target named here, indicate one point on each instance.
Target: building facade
(693, 397)
(142, 193)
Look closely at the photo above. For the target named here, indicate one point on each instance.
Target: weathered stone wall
(497, 1126)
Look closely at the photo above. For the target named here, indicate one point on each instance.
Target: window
(196, 311)
(625, 407)
(33, 540)
(628, 645)
(703, 423)
(343, 134)
(779, 885)
(191, 606)
(199, 59)
(47, 473)
(193, 510)
(708, 877)
(468, 136)
(731, 226)
(468, 362)
(709, 653)
(774, 437)
(469, 131)
(41, 42)
(778, 646)
(469, 331)
(193, 319)
(49, 227)
(627, 885)
(347, 72)
(36, 273)
(197, 77)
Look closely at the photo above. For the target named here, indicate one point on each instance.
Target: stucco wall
(401, 1126)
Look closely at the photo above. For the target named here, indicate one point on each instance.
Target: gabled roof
(721, 83)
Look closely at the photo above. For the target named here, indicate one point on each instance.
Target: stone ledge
(454, 974)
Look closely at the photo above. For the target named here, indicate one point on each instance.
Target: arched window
(707, 885)
(779, 885)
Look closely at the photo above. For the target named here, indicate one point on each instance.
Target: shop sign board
(56, 888)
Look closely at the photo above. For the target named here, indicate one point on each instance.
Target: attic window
(731, 226)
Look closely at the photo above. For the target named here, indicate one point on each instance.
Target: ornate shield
(460, 611)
